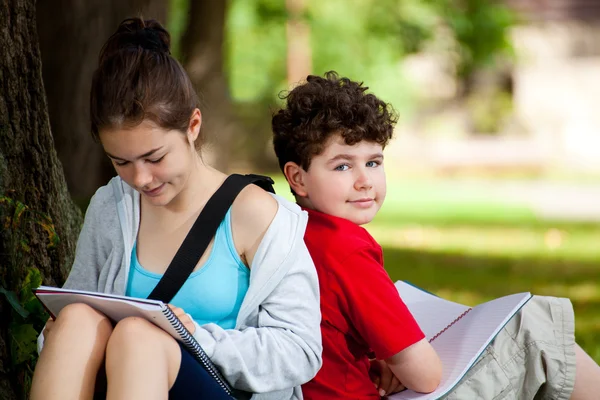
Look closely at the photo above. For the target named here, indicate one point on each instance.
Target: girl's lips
(154, 192)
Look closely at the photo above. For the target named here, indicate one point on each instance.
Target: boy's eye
(372, 164)
(343, 167)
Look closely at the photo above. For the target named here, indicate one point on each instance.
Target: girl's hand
(384, 379)
(185, 318)
(48, 327)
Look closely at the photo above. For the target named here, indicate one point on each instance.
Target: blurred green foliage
(481, 29)
(256, 49)
(25, 316)
(177, 22)
(364, 40)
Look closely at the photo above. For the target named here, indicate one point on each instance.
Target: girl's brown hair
(137, 79)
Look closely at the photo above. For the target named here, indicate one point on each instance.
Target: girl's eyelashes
(122, 163)
(157, 160)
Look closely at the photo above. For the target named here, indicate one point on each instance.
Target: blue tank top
(213, 293)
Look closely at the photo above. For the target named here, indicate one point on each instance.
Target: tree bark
(202, 54)
(30, 173)
(72, 33)
(299, 52)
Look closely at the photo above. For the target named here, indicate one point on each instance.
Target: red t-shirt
(360, 306)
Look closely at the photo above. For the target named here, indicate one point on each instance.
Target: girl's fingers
(176, 310)
(185, 318)
(190, 324)
(48, 326)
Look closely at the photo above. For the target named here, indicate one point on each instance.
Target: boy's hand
(185, 318)
(385, 381)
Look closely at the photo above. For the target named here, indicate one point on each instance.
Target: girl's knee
(134, 336)
(134, 331)
(133, 327)
(83, 318)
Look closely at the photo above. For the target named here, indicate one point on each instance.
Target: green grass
(471, 279)
(465, 245)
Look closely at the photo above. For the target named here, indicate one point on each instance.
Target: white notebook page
(460, 346)
(432, 313)
(114, 306)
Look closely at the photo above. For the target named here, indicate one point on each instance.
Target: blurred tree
(365, 40)
(481, 32)
(34, 201)
(256, 48)
(71, 35)
(299, 60)
(201, 51)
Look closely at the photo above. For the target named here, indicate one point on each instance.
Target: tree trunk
(202, 54)
(32, 185)
(299, 52)
(71, 35)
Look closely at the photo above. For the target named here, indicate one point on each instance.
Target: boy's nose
(363, 181)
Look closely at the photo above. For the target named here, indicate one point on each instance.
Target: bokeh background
(493, 175)
(494, 171)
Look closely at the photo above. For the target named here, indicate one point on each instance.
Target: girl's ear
(194, 126)
(295, 177)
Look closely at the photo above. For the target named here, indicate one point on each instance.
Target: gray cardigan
(276, 344)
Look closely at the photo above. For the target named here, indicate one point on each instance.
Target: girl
(262, 326)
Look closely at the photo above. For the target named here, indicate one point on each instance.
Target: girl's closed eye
(157, 160)
(120, 163)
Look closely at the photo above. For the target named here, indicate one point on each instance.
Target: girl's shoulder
(103, 198)
(254, 208)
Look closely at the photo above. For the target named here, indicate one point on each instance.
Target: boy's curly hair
(322, 107)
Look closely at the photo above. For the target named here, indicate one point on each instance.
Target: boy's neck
(304, 202)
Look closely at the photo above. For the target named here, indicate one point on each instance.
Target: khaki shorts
(533, 357)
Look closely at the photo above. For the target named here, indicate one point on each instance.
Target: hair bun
(138, 33)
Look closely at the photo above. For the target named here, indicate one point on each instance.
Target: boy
(329, 140)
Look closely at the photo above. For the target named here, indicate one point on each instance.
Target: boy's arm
(380, 316)
(418, 367)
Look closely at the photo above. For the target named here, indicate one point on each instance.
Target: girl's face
(154, 161)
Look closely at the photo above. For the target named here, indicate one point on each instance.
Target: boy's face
(345, 181)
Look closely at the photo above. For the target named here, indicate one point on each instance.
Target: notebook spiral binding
(197, 351)
(449, 325)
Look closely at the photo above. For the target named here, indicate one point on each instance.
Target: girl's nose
(142, 177)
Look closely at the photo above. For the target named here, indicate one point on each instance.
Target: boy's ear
(295, 177)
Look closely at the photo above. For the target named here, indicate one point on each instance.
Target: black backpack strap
(201, 233)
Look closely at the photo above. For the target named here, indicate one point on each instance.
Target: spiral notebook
(118, 307)
(458, 333)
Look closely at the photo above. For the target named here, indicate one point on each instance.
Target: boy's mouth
(363, 203)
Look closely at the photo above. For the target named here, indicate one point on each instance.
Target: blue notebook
(458, 333)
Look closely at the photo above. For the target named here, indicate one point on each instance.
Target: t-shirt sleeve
(374, 306)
